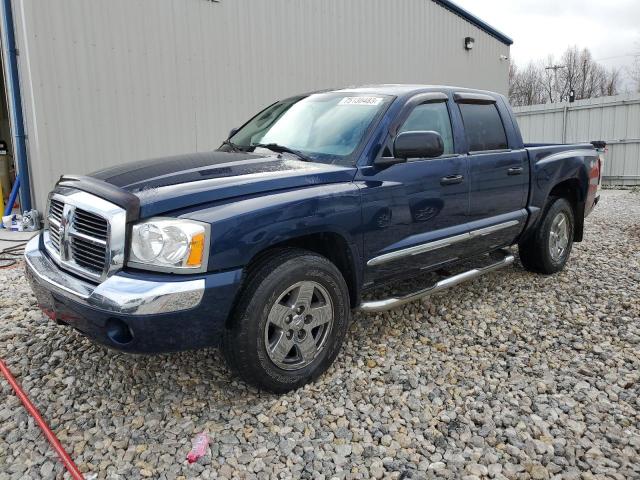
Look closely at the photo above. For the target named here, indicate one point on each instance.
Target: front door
(409, 207)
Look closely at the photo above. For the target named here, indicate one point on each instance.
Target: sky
(610, 29)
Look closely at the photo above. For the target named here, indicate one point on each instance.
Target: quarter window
(483, 127)
(434, 117)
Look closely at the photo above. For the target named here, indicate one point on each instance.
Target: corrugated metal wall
(614, 119)
(111, 81)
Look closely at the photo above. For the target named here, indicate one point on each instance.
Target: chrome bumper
(117, 294)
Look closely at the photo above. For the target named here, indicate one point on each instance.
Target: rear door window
(483, 127)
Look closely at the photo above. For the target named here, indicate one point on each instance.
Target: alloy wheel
(559, 237)
(298, 325)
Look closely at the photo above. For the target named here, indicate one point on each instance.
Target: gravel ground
(511, 376)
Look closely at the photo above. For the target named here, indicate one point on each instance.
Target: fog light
(119, 332)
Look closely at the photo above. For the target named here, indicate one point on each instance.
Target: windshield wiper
(275, 147)
(233, 146)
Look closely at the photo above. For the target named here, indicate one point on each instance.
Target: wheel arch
(572, 191)
(329, 244)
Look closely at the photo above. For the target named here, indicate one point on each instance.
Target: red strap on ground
(33, 411)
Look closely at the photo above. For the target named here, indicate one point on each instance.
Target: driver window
(431, 116)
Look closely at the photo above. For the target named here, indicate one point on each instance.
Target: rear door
(499, 174)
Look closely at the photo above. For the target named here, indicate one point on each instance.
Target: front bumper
(135, 312)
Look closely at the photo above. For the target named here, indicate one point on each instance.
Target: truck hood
(173, 183)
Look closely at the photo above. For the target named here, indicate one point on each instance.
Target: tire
(281, 336)
(545, 251)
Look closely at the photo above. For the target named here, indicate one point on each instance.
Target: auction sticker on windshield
(374, 101)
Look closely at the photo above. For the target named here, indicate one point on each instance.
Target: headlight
(170, 245)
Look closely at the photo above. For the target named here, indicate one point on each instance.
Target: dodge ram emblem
(63, 230)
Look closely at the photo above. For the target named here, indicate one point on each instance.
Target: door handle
(451, 179)
(514, 171)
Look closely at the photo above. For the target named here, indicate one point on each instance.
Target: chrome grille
(88, 250)
(79, 234)
(90, 224)
(55, 217)
(56, 209)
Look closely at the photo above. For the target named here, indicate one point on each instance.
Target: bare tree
(634, 73)
(549, 79)
(553, 80)
(611, 84)
(513, 82)
(526, 86)
(571, 59)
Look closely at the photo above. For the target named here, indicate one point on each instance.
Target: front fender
(243, 228)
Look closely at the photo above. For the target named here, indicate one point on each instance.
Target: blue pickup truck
(265, 246)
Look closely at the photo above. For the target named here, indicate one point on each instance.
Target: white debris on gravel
(512, 376)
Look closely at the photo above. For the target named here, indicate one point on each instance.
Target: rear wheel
(289, 322)
(548, 249)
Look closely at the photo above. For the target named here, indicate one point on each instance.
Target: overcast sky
(610, 29)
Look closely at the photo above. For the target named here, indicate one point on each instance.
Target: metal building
(109, 81)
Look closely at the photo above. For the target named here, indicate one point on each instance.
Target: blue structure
(15, 103)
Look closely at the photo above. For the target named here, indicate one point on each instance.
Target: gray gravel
(512, 376)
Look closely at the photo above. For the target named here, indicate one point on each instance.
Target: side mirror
(233, 132)
(423, 144)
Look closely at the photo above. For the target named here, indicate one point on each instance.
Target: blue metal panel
(15, 103)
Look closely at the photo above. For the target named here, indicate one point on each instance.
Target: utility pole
(555, 69)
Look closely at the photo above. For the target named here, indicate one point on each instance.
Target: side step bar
(391, 303)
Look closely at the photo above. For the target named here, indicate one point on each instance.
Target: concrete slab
(12, 239)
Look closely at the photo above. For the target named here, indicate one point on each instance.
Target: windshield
(325, 127)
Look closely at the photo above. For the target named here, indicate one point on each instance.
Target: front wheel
(548, 249)
(290, 321)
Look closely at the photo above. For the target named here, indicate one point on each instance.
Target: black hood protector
(159, 172)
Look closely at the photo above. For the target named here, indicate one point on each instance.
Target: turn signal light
(196, 251)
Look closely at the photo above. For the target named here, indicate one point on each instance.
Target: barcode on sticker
(361, 101)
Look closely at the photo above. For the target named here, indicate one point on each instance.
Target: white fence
(613, 119)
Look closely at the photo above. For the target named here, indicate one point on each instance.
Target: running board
(391, 303)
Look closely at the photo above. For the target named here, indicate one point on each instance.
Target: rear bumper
(135, 312)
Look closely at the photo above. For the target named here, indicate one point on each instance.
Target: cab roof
(401, 90)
